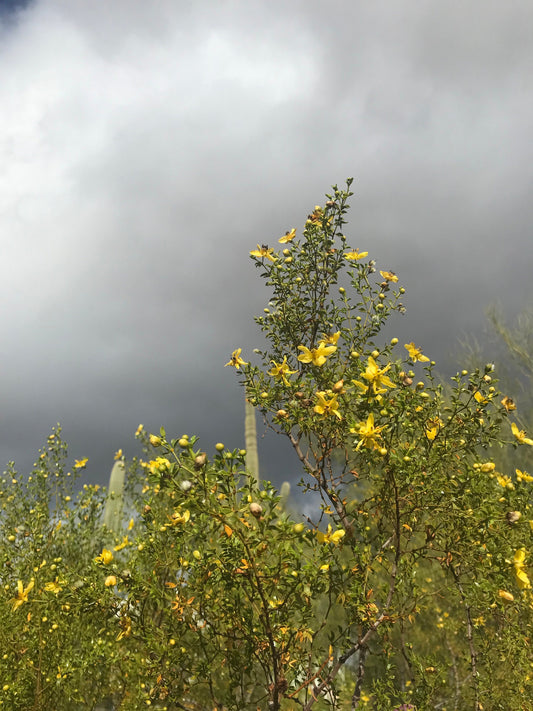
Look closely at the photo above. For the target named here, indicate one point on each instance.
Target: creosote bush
(408, 587)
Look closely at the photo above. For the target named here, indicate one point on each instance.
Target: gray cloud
(146, 149)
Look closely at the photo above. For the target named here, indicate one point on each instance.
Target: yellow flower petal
(105, 557)
(263, 252)
(520, 435)
(287, 237)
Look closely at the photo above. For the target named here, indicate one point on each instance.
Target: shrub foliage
(405, 585)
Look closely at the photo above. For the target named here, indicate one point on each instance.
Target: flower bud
(337, 388)
(155, 441)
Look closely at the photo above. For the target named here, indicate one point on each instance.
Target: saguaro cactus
(115, 498)
(252, 456)
(250, 439)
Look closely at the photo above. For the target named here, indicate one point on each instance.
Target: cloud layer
(145, 149)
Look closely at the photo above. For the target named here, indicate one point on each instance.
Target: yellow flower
(509, 404)
(281, 370)
(523, 476)
(125, 623)
(521, 435)
(158, 465)
(504, 481)
(131, 524)
(22, 594)
(105, 557)
(519, 557)
(110, 581)
(522, 578)
(81, 463)
(263, 252)
(507, 596)
(355, 254)
(122, 545)
(378, 381)
(316, 356)
(368, 433)
(180, 517)
(118, 455)
(329, 339)
(327, 407)
(415, 353)
(432, 428)
(478, 397)
(53, 587)
(287, 237)
(389, 276)
(139, 429)
(330, 537)
(236, 360)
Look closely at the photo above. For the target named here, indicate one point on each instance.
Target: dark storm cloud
(146, 149)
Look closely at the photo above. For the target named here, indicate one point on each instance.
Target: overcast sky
(146, 147)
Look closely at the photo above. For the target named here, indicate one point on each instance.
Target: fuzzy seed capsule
(256, 509)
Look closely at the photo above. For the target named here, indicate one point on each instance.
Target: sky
(146, 148)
